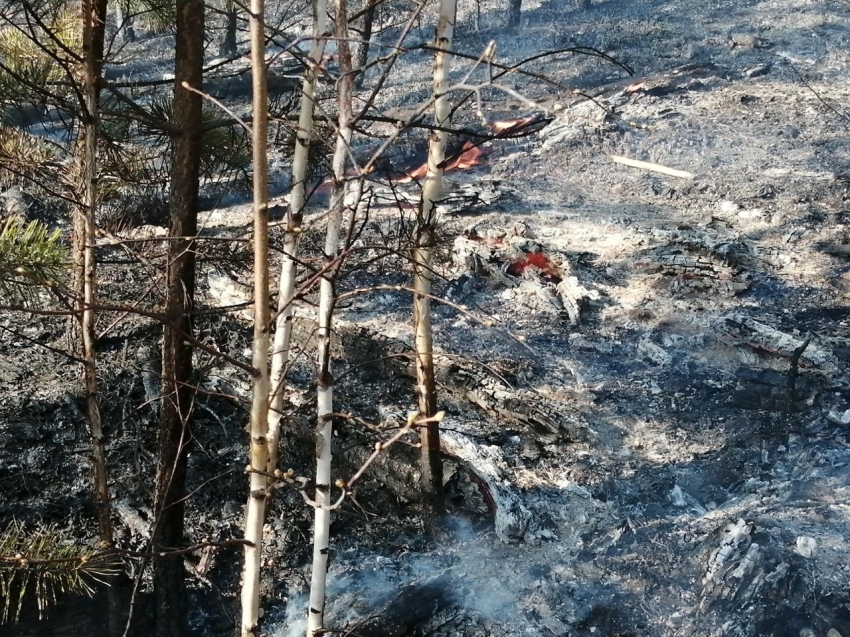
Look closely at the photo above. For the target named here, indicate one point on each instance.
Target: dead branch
(658, 168)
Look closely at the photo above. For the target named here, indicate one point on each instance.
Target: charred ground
(706, 464)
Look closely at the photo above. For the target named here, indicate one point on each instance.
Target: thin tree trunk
(327, 299)
(514, 12)
(228, 45)
(124, 19)
(93, 34)
(93, 38)
(174, 438)
(432, 192)
(259, 449)
(297, 196)
(362, 57)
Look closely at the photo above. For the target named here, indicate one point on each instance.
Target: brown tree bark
(174, 434)
(228, 44)
(93, 21)
(362, 51)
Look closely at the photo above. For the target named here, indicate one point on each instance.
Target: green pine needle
(42, 563)
(159, 16)
(25, 158)
(31, 258)
(26, 64)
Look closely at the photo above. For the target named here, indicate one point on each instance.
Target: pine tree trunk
(362, 57)
(259, 450)
(174, 438)
(432, 192)
(228, 45)
(327, 299)
(93, 19)
(514, 12)
(124, 20)
(297, 196)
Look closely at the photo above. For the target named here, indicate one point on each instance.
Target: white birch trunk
(286, 291)
(324, 438)
(432, 192)
(259, 449)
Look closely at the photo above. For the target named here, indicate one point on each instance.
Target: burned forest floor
(668, 449)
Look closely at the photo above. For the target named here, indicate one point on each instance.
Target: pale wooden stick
(658, 168)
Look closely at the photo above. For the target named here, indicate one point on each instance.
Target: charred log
(411, 608)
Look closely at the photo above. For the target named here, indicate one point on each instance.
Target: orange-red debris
(533, 259)
(509, 124)
(468, 158)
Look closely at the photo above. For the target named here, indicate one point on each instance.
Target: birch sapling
(432, 193)
(297, 200)
(324, 437)
(259, 448)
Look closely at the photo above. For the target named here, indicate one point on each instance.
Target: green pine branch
(42, 563)
(157, 16)
(26, 158)
(224, 150)
(31, 258)
(29, 71)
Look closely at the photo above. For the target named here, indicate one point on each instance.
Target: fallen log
(512, 519)
(738, 329)
(409, 610)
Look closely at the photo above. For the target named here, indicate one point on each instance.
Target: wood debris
(512, 519)
(738, 329)
(698, 261)
(768, 389)
(464, 380)
(701, 273)
(658, 168)
(540, 279)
